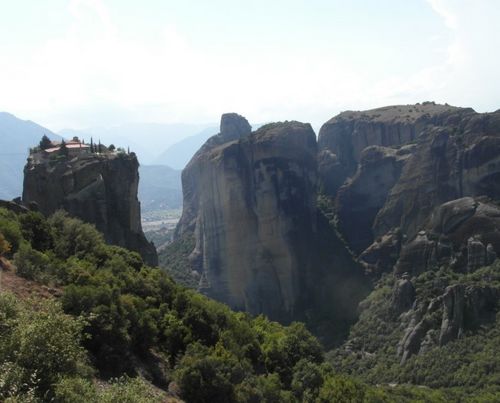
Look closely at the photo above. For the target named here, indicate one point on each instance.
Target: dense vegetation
(174, 259)
(470, 366)
(124, 332)
(119, 318)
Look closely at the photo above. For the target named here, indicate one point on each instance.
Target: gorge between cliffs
(362, 262)
(278, 222)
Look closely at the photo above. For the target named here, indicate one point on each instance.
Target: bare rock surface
(98, 189)
(343, 138)
(250, 200)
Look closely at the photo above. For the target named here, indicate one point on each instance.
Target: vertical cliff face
(359, 200)
(395, 166)
(450, 162)
(250, 200)
(99, 189)
(343, 138)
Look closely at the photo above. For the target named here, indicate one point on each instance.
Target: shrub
(29, 262)
(207, 375)
(36, 230)
(38, 348)
(341, 389)
(75, 390)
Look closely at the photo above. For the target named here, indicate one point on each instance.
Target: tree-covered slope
(469, 362)
(116, 317)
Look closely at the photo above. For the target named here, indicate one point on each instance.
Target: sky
(100, 63)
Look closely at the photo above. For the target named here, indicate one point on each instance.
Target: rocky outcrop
(232, 127)
(403, 295)
(382, 254)
(392, 168)
(100, 189)
(361, 198)
(447, 317)
(452, 324)
(343, 138)
(451, 162)
(250, 200)
(14, 206)
(463, 234)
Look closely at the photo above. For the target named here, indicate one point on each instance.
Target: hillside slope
(418, 200)
(16, 136)
(124, 332)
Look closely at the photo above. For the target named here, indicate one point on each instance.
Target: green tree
(41, 346)
(36, 230)
(29, 262)
(341, 389)
(206, 375)
(263, 389)
(307, 380)
(45, 143)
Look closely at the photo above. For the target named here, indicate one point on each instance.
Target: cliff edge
(99, 188)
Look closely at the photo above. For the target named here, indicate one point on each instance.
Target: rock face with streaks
(408, 190)
(250, 200)
(100, 189)
(447, 317)
(361, 198)
(463, 234)
(343, 138)
(417, 192)
(392, 168)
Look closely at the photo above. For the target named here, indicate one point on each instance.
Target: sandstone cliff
(417, 193)
(394, 166)
(100, 189)
(250, 200)
(450, 162)
(343, 138)
(261, 244)
(412, 189)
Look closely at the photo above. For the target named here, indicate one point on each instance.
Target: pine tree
(91, 145)
(45, 143)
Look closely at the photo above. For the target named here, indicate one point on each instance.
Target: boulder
(417, 256)
(382, 254)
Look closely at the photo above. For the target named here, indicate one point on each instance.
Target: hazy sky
(85, 63)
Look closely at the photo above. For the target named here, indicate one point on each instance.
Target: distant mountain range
(179, 154)
(160, 172)
(16, 137)
(147, 140)
(159, 187)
